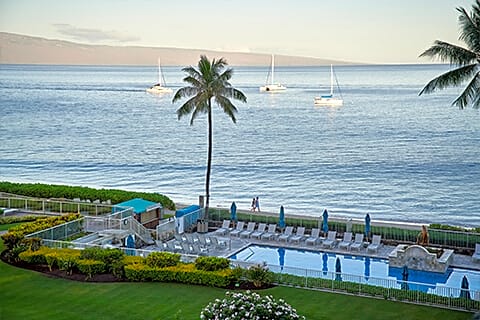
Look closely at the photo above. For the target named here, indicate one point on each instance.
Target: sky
(368, 31)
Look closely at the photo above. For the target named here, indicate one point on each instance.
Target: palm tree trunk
(209, 158)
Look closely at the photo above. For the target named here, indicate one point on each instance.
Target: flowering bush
(248, 305)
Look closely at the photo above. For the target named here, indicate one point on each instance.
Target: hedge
(183, 273)
(40, 190)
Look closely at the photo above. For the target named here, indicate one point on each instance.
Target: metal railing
(55, 206)
(391, 289)
(396, 232)
(60, 232)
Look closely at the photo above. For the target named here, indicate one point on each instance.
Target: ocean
(387, 151)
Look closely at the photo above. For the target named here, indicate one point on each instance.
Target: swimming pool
(362, 269)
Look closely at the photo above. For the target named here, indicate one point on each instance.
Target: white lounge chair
(224, 229)
(346, 242)
(376, 243)
(331, 239)
(238, 229)
(476, 254)
(260, 230)
(358, 243)
(249, 231)
(271, 232)
(286, 234)
(299, 235)
(314, 237)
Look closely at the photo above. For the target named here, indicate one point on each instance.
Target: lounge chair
(376, 243)
(476, 254)
(218, 244)
(271, 232)
(331, 239)
(199, 250)
(358, 243)
(224, 229)
(346, 242)
(299, 235)
(314, 237)
(286, 234)
(260, 230)
(249, 231)
(238, 229)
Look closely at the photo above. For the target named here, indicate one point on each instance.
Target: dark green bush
(162, 259)
(40, 190)
(108, 256)
(90, 267)
(212, 263)
(259, 275)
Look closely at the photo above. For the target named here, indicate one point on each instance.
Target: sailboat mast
(273, 63)
(159, 73)
(331, 80)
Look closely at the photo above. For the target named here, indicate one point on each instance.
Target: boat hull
(328, 102)
(273, 88)
(159, 90)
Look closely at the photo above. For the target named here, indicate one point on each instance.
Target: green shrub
(107, 256)
(182, 273)
(17, 233)
(67, 261)
(40, 190)
(33, 257)
(90, 267)
(259, 275)
(162, 259)
(212, 263)
(16, 219)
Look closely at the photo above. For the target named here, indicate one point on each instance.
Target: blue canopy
(367, 225)
(139, 205)
(281, 219)
(130, 244)
(325, 221)
(233, 212)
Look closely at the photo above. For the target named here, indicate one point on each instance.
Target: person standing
(253, 205)
(257, 204)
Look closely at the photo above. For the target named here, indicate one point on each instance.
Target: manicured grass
(29, 295)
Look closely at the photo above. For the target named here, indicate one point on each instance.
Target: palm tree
(209, 82)
(466, 60)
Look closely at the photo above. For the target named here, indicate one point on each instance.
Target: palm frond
(470, 28)
(447, 52)
(227, 107)
(470, 94)
(184, 93)
(186, 108)
(451, 78)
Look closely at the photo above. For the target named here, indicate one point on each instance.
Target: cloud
(93, 35)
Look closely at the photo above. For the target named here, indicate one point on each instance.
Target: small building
(146, 212)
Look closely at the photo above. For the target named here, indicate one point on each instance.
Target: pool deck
(235, 244)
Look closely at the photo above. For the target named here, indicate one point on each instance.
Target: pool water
(362, 269)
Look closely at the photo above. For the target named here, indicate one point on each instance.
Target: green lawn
(29, 295)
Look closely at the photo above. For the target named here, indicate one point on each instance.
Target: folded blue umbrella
(325, 221)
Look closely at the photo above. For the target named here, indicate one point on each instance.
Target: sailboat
(159, 88)
(329, 99)
(272, 86)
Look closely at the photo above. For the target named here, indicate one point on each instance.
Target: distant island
(23, 49)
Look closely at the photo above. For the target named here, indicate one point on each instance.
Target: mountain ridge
(24, 49)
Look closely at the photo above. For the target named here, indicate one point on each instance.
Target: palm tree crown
(467, 60)
(209, 82)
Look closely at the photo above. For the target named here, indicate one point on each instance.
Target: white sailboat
(328, 99)
(159, 88)
(272, 87)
